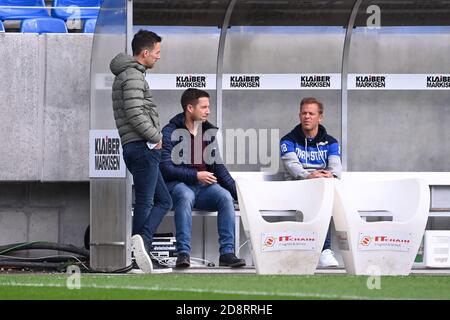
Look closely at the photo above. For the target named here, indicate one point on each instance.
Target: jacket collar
(179, 122)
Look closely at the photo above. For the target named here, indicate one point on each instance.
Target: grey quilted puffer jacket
(134, 111)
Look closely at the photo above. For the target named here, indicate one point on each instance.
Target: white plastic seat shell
(407, 199)
(314, 198)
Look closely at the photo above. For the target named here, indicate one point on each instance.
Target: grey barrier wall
(22, 107)
(34, 211)
(194, 52)
(45, 112)
(45, 107)
(44, 193)
(389, 130)
(277, 51)
(399, 130)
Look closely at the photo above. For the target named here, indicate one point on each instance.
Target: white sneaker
(140, 254)
(142, 258)
(327, 259)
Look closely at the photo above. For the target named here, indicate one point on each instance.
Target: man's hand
(206, 177)
(326, 174)
(320, 174)
(315, 174)
(158, 145)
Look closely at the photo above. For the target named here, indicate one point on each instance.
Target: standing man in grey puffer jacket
(140, 132)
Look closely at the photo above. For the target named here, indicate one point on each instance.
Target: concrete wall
(34, 211)
(21, 106)
(45, 107)
(44, 128)
(66, 112)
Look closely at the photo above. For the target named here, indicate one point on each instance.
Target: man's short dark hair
(144, 39)
(311, 100)
(191, 96)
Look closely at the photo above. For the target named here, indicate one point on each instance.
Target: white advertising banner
(105, 155)
(307, 81)
(289, 81)
(398, 82)
(283, 81)
(288, 240)
(384, 241)
(181, 81)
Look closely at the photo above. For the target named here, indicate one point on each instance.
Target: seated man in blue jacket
(309, 152)
(196, 177)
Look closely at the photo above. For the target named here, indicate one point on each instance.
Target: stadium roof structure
(288, 12)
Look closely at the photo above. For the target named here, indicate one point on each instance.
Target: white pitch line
(157, 288)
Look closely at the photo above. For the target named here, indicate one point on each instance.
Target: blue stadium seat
(2, 27)
(43, 25)
(89, 25)
(22, 13)
(67, 9)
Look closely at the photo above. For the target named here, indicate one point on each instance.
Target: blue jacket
(322, 152)
(175, 173)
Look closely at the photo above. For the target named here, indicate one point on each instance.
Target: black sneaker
(230, 260)
(183, 260)
(160, 266)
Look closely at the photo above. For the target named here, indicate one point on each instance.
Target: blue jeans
(152, 197)
(327, 244)
(203, 197)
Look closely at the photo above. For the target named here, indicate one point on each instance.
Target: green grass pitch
(220, 287)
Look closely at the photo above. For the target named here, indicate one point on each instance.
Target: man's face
(151, 56)
(310, 116)
(200, 111)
